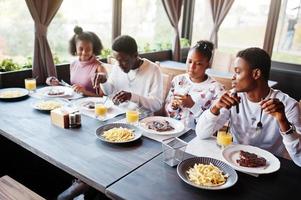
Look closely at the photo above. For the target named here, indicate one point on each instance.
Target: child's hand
(184, 100)
(175, 104)
(79, 89)
(52, 81)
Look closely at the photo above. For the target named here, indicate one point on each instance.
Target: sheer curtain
(42, 12)
(220, 9)
(173, 11)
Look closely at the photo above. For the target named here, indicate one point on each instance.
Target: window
(147, 22)
(16, 31)
(202, 21)
(287, 45)
(92, 15)
(244, 26)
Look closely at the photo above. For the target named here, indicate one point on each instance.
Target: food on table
(89, 104)
(10, 94)
(119, 134)
(206, 175)
(55, 91)
(48, 105)
(160, 126)
(247, 159)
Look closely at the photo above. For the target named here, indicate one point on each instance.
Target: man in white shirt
(276, 130)
(135, 79)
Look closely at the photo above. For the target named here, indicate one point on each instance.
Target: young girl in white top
(193, 92)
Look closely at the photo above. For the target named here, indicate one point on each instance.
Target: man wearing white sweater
(276, 130)
(135, 79)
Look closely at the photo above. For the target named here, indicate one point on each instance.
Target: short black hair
(257, 58)
(205, 47)
(125, 44)
(81, 35)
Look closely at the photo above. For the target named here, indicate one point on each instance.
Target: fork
(259, 124)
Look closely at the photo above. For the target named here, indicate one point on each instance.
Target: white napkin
(156, 137)
(207, 148)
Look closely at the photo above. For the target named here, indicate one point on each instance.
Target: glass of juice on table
(224, 138)
(30, 84)
(100, 110)
(132, 116)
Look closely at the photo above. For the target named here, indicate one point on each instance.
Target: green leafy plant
(147, 48)
(9, 65)
(56, 59)
(184, 42)
(28, 63)
(105, 53)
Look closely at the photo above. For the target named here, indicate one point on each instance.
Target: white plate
(35, 105)
(178, 125)
(68, 91)
(100, 131)
(231, 154)
(185, 165)
(21, 93)
(81, 103)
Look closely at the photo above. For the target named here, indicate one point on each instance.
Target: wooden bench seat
(12, 190)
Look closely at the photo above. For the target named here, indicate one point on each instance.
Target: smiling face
(196, 65)
(244, 76)
(126, 61)
(84, 50)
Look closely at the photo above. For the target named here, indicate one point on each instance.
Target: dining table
(127, 171)
(157, 180)
(77, 151)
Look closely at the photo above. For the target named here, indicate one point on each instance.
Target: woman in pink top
(85, 45)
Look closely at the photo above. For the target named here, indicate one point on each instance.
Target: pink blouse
(82, 73)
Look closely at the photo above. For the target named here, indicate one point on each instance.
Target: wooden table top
(156, 180)
(77, 151)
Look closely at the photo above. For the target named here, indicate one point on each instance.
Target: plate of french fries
(118, 133)
(207, 173)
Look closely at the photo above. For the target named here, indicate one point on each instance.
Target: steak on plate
(247, 159)
(159, 126)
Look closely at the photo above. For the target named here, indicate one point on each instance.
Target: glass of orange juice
(224, 138)
(132, 116)
(30, 84)
(100, 110)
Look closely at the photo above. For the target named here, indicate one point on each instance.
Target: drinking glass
(132, 116)
(173, 150)
(30, 84)
(100, 110)
(223, 138)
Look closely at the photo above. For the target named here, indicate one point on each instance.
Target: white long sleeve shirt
(203, 94)
(243, 126)
(145, 84)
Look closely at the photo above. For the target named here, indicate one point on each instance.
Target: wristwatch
(289, 131)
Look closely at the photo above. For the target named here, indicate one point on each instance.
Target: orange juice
(132, 116)
(224, 139)
(30, 84)
(100, 110)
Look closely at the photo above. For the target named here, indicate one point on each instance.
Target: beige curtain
(219, 9)
(42, 12)
(173, 11)
(271, 27)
